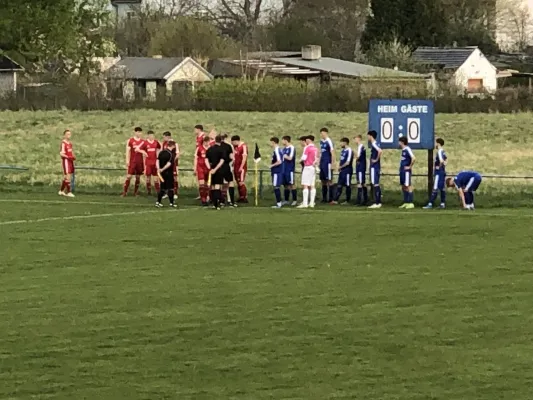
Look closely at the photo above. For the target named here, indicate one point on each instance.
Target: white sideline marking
(73, 217)
(74, 201)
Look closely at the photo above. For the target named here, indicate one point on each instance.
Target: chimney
(157, 56)
(311, 52)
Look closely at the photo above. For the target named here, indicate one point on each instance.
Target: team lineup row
(142, 159)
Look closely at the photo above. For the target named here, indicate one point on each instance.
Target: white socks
(305, 201)
(313, 196)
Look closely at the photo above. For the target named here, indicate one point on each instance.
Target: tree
(514, 24)
(389, 55)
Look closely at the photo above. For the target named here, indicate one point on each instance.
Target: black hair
(224, 136)
(326, 130)
(218, 139)
(171, 143)
(206, 139)
(201, 127)
(345, 140)
(303, 138)
(403, 140)
(150, 133)
(311, 138)
(235, 137)
(138, 129)
(287, 138)
(167, 134)
(440, 141)
(274, 139)
(374, 134)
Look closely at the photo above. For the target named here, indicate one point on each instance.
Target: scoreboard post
(415, 119)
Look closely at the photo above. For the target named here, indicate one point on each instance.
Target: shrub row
(272, 95)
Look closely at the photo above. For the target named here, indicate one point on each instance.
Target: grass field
(106, 298)
(489, 143)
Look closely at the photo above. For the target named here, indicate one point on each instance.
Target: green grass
(264, 304)
(489, 143)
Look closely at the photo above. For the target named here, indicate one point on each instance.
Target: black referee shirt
(165, 157)
(214, 154)
(228, 151)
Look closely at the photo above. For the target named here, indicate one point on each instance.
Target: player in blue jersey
(360, 171)
(327, 161)
(439, 179)
(345, 171)
(375, 167)
(276, 170)
(289, 166)
(406, 173)
(466, 183)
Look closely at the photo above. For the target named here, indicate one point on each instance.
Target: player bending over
(327, 161)
(134, 161)
(67, 162)
(406, 173)
(466, 183)
(276, 170)
(289, 166)
(165, 170)
(240, 167)
(375, 167)
(309, 162)
(360, 172)
(202, 171)
(345, 171)
(440, 176)
(150, 150)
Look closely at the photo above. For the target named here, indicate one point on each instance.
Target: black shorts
(228, 175)
(217, 178)
(168, 180)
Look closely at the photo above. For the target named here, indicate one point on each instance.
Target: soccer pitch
(108, 298)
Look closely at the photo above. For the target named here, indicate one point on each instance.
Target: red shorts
(136, 169)
(202, 174)
(68, 166)
(151, 170)
(240, 176)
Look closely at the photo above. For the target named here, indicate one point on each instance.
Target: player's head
(449, 182)
(206, 141)
(171, 144)
(218, 139)
(286, 140)
(309, 139)
(358, 139)
(302, 140)
(274, 141)
(402, 142)
(166, 136)
(151, 135)
(345, 142)
(372, 135)
(198, 129)
(224, 137)
(439, 143)
(235, 140)
(138, 132)
(324, 132)
(67, 134)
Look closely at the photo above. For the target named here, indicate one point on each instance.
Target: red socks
(243, 192)
(137, 184)
(127, 185)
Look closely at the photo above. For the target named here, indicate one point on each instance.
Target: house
(466, 68)
(305, 65)
(8, 75)
(125, 9)
(145, 77)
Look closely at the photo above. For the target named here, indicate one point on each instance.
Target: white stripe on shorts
(372, 176)
(359, 177)
(406, 176)
(470, 182)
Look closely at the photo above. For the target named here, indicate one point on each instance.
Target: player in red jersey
(67, 161)
(202, 171)
(240, 163)
(167, 136)
(150, 149)
(134, 161)
(200, 134)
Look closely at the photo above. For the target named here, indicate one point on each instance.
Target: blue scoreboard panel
(392, 119)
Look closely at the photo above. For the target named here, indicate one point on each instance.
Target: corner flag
(257, 158)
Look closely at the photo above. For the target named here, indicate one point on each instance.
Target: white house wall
(477, 67)
(8, 81)
(187, 72)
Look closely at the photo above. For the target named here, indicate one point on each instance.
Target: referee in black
(229, 184)
(215, 157)
(165, 170)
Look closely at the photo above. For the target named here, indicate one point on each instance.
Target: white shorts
(308, 176)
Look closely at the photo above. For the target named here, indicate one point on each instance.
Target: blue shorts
(277, 178)
(361, 177)
(345, 178)
(374, 175)
(326, 173)
(439, 181)
(288, 179)
(406, 177)
(472, 184)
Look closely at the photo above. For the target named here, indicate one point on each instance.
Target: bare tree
(514, 24)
